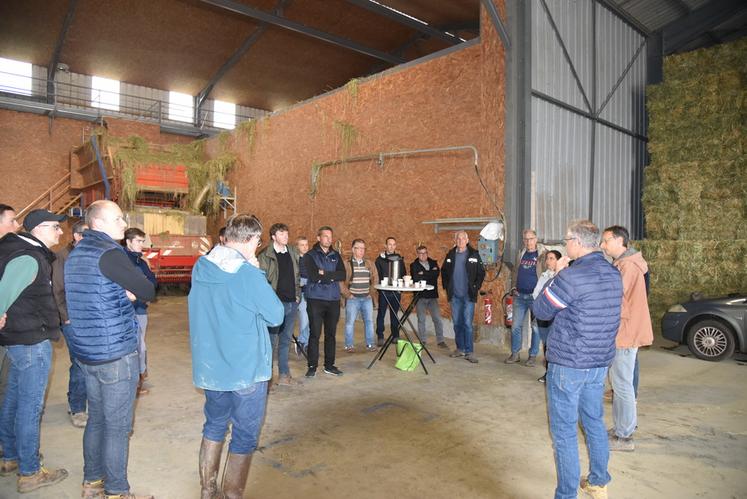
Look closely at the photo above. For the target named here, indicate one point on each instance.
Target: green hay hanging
(348, 136)
(248, 130)
(203, 182)
(352, 88)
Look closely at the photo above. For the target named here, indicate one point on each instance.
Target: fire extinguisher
(487, 304)
(508, 309)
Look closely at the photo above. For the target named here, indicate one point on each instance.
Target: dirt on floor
(463, 431)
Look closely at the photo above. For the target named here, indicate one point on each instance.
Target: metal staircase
(59, 198)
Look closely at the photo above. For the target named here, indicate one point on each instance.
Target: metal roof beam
(302, 29)
(231, 62)
(55, 60)
(497, 23)
(625, 16)
(698, 22)
(395, 16)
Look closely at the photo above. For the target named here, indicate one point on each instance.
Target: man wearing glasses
(584, 302)
(527, 271)
(33, 320)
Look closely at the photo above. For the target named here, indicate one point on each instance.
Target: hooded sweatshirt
(635, 322)
(231, 305)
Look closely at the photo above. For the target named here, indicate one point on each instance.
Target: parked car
(713, 329)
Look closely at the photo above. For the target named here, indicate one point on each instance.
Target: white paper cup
(384, 281)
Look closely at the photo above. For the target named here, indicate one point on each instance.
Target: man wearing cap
(32, 320)
(100, 284)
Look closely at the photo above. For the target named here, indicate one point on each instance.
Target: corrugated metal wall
(587, 147)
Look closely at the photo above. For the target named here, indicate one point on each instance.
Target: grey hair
(241, 228)
(585, 232)
(528, 231)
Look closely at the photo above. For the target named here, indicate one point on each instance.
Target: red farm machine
(151, 184)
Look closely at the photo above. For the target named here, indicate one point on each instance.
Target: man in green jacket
(280, 262)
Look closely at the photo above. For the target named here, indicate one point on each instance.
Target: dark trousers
(393, 297)
(327, 313)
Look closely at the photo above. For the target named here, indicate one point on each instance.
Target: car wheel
(711, 340)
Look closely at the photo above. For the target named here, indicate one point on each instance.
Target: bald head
(106, 216)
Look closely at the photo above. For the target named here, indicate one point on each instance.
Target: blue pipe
(102, 168)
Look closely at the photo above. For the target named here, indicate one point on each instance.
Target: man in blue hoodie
(134, 239)
(231, 305)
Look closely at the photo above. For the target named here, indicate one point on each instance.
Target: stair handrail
(46, 194)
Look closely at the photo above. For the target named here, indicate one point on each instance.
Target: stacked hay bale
(695, 188)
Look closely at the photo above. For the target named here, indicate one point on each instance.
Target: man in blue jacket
(324, 270)
(231, 305)
(100, 285)
(584, 301)
(134, 239)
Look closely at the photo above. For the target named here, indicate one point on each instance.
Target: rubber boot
(209, 463)
(234, 477)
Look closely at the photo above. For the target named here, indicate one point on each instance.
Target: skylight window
(181, 107)
(15, 76)
(224, 114)
(105, 93)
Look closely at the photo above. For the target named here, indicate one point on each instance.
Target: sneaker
(79, 419)
(8, 467)
(287, 380)
(470, 357)
(371, 348)
(543, 378)
(350, 349)
(311, 372)
(41, 478)
(593, 491)
(456, 353)
(515, 358)
(379, 342)
(621, 444)
(530, 361)
(93, 490)
(333, 370)
(442, 344)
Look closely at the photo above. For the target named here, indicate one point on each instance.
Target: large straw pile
(695, 190)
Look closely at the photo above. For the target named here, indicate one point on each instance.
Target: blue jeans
(388, 299)
(429, 305)
(522, 305)
(574, 393)
(76, 388)
(364, 305)
(624, 411)
(635, 376)
(142, 349)
(244, 409)
(462, 313)
(106, 441)
(20, 416)
(281, 336)
(303, 322)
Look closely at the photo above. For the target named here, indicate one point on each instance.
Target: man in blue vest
(32, 322)
(100, 285)
(584, 302)
(325, 270)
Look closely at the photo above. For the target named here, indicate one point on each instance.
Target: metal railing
(47, 95)
(56, 199)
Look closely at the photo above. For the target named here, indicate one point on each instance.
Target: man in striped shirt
(360, 295)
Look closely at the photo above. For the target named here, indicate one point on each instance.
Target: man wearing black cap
(27, 300)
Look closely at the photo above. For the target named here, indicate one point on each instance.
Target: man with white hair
(462, 275)
(100, 285)
(583, 301)
(27, 300)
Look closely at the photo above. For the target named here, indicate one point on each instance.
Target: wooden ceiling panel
(29, 29)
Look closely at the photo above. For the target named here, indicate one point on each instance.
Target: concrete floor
(464, 431)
